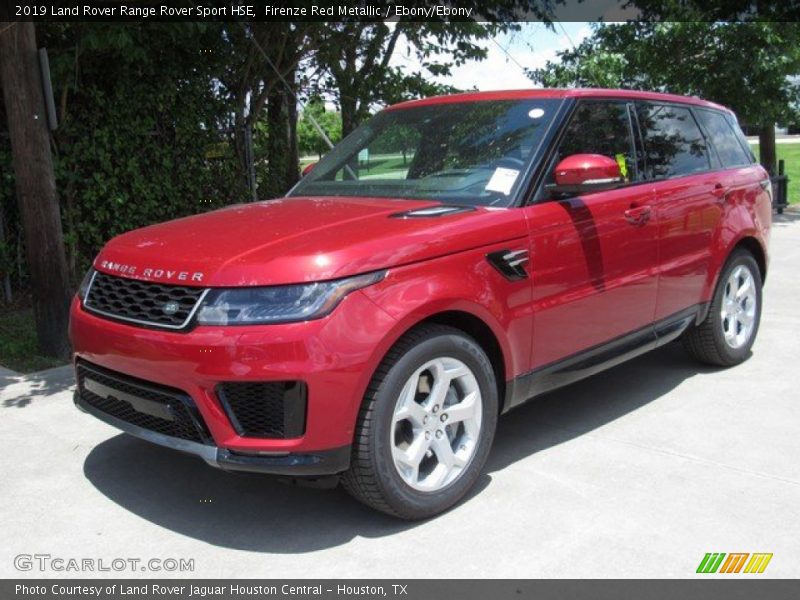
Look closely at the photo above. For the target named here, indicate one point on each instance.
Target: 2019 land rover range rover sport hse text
(450, 259)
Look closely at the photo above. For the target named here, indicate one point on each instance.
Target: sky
(508, 54)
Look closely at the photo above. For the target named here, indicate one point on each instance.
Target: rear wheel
(426, 425)
(727, 335)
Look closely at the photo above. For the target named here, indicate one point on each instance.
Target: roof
(559, 93)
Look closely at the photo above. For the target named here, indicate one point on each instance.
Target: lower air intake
(275, 409)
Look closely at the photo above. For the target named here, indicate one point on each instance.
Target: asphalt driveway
(637, 472)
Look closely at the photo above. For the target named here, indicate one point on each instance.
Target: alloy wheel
(436, 424)
(738, 308)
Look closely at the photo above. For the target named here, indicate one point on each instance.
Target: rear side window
(723, 138)
(673, 142)
(737, 131)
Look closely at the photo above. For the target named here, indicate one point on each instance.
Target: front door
(593, 258)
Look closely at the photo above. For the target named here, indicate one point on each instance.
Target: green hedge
(142, 136)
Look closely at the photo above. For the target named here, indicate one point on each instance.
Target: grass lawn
(18, 343)
(791, 154)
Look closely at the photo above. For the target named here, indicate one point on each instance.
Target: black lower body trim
(312, 464)
(317, 464)
(599, 358)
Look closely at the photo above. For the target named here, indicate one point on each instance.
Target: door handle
(638, 215)
(720, 191)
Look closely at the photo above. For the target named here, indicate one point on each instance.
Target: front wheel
(426, 425)
(727, 335)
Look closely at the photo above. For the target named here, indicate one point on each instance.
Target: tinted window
(466, 153)
(724, 139)
(600, 128)
(673, 143)
(737, 131)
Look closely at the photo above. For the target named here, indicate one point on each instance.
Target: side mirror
(307, 169)
(583, 173)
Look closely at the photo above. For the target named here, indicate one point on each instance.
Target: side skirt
(599, 358)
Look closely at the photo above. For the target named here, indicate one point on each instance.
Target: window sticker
(502, 180)
(536, 113)
(623, 166)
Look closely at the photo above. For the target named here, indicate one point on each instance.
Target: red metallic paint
(581, 168)
(749, 220)
(602, 265)
(557, 93)
(335, 356)
(291, 240)
(463, 283)
(594, 273)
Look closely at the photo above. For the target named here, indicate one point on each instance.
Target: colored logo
(736, 562)
(170, 308)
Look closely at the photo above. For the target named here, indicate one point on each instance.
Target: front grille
(270, 410)
(139, 403)
(141, 301)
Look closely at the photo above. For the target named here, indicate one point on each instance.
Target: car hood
(298, 239)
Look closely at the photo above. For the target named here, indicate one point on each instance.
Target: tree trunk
(348, 106)
(239, 144)
(766, 148)
(293, 155)
(278, 146)
(5, 266)
(35, 185)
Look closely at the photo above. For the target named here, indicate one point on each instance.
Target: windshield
(471, 153)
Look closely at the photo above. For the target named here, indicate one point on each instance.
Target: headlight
(279, 304)
(84, 286)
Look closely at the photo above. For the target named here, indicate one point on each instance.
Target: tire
(708, 342)
(381, 474)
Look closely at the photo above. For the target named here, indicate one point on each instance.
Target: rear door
(690, 190)
(593, 257)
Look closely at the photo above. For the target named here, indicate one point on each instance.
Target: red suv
(450, 259)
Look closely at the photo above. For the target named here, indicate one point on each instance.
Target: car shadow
(257, 513)
(584, 406)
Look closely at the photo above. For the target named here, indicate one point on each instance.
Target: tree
(143, 134)
(35, 185)
(746, 66)
(264, 62)
(308, 138)
(354, 59)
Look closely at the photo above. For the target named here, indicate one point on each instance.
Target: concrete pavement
(637, 472)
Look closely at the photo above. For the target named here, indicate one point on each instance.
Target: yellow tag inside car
(623, 166)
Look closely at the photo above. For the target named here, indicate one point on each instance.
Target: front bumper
(333, 357)
(317, 464)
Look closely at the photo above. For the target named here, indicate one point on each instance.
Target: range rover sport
(450, 259)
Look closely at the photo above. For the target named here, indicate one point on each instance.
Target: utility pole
(35, 185)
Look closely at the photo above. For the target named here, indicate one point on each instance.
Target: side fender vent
(510, 263)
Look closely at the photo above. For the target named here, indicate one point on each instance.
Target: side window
(737, 131)
(600, 128)
(723, 138)
(673, 142)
